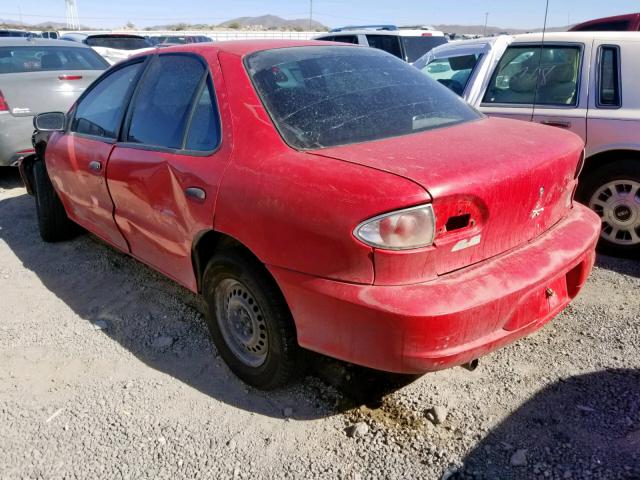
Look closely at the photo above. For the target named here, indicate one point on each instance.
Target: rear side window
(453, 72)
(609, 77)
(162, 105)
(415, 47)
(204, 129)
(43, 59)
(100, 112)
(345, 39)
(388, 43)
(532, 74)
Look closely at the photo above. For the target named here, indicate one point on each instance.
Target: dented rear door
(164, 176)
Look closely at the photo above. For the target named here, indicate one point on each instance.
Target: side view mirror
(50, 122)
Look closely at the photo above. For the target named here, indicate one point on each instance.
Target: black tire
(53, 223)
(228, 276)
(624, 170)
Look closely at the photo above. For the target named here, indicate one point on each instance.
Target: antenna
(73, 23)
(538, 71)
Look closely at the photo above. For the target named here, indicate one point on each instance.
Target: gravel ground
(107, 372)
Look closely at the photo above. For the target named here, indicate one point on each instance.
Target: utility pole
(486, 20)
(310, 13)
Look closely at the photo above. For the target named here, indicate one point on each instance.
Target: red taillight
(426, 34)
(4, 106)
(69, 77)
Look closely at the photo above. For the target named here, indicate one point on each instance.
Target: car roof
(629, 17)
(246, 47)
(395, 33)
(577, 36)
(41, 42)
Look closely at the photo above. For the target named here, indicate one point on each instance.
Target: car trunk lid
(495, 183)
(30, 93)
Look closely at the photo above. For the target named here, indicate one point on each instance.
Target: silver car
(39, 75)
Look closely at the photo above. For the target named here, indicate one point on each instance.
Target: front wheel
(250, 322)
(613, 192)
(53, 223)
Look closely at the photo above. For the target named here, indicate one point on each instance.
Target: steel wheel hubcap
(241, 322)
(618, 204)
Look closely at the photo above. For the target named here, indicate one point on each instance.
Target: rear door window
(415, 47)
(345, 39)
(609, 77)
(162, 105)
(388, 43)
(532, 74)
(100, 111)
(453, 72)
(204, 128)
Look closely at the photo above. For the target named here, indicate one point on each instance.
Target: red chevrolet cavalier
(321, 196)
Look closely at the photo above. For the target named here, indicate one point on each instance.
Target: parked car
(170, 40)
(322, 196)
(14, 33)
(114, 47)
(583, 82)
(407, 44)
(35, 76)
(619, 23)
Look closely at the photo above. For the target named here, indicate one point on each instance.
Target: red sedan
(322, 196)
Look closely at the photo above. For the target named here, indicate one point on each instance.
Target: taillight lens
(4, 106)
(400, 230)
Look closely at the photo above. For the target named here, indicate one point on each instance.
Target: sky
(525, 14)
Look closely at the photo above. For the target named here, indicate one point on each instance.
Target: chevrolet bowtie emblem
(538, 209)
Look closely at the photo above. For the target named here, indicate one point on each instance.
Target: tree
(234, 25)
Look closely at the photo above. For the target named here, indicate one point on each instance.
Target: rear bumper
(15, 138)
(453, 319)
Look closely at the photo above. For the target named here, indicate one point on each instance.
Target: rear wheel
(250, 322)
(53, 223)
(613, 192)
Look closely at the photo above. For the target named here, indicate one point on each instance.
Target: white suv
(408, 43)
(586, 82)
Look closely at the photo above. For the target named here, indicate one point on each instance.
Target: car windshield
(42, 59)
(326, 96)
(120, 43)
(415, 47)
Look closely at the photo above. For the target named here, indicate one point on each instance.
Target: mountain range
(273, 22)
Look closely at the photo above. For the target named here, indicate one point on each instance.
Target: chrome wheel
(241, 322)
(618, 205)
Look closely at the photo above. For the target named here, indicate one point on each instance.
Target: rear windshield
(326, 96)
(43, 59)
(120, 43)
(13, 33)
(415, 47)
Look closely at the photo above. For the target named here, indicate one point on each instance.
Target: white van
(586, 82)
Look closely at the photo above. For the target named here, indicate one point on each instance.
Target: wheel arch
(608, 157)
(206, 244)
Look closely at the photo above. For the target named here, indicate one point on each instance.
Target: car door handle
(95, 166)
(556, 123)
(196, 193)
